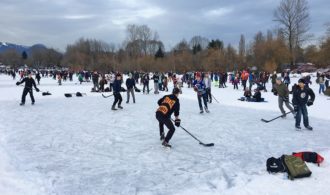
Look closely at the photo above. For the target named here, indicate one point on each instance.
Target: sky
(57, 23)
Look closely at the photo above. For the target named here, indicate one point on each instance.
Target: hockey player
(199, 87)
(29, 83)
(167, 105)
(282, 91)
(116, 92)
(302, 96)
(130, 85)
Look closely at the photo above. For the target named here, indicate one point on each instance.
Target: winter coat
(117, 86)
(301, 96)
(281, 90)
(167, 105)
(207, 82)
(199, 86)
(130, 83)
(29, 82)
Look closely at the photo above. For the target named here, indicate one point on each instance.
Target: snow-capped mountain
(19, 48)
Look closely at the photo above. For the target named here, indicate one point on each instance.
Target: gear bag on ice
(296, 167)
(275, 165)
(309, 157)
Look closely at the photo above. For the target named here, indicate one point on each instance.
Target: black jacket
(29, 82)
(130, 83)
(155, 78)
(167, 105)
(300, 96)
(117, 86)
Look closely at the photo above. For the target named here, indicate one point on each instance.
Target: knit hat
(301, 81)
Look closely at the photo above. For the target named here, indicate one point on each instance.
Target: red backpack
(309, 157)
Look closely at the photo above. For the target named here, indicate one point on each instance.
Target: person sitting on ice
(255, 98)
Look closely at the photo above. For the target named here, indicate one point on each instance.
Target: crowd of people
(201, 82)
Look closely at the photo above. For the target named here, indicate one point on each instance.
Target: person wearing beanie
(116, 92)
(29, 83)
(130, 84)
(302, 96)
(282, 91)
(199, 87)
(168, 105)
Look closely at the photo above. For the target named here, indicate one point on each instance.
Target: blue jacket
(199, 86)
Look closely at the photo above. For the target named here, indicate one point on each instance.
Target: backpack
(275, 165)
(312, 157)
(296, 167)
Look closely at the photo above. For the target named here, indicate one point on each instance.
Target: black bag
(137, 90)
(275, 165)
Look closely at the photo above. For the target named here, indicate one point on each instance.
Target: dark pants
(167, 121)
(302, 110)
(244, 84)
(118, 99)
(208, 94)
(200, 97)
(235, 86)
(25, 92)
(146, 86)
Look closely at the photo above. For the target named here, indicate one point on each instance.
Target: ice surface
(78, 146)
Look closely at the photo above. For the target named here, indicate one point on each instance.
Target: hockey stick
(267, 121)
(200, 142)
(214, 98)
(107, 96)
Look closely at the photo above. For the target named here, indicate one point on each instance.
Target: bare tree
(293, 16)
(241, 48)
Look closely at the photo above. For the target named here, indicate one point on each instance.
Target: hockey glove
(177, 122)
(37, 89)
(17, 83)
(309, 102)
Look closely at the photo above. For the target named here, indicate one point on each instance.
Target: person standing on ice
(167, 105)
(116, 92)
(145, 81)
(302, 96)
(130, 85)
(208, 84)
(282, 91)
(199, 87)
(156, 79)
(29, 83)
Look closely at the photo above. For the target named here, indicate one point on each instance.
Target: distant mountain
(19, 48)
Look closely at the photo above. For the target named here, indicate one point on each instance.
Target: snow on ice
(78, 146)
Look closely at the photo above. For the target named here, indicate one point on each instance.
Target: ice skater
(29, 83)
(167, 105)
(300, 99)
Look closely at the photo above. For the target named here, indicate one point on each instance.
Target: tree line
(143, 50)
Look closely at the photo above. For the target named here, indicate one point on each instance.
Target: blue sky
(61, 22)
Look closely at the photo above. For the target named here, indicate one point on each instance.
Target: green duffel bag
(296, 167)
(327, 92)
